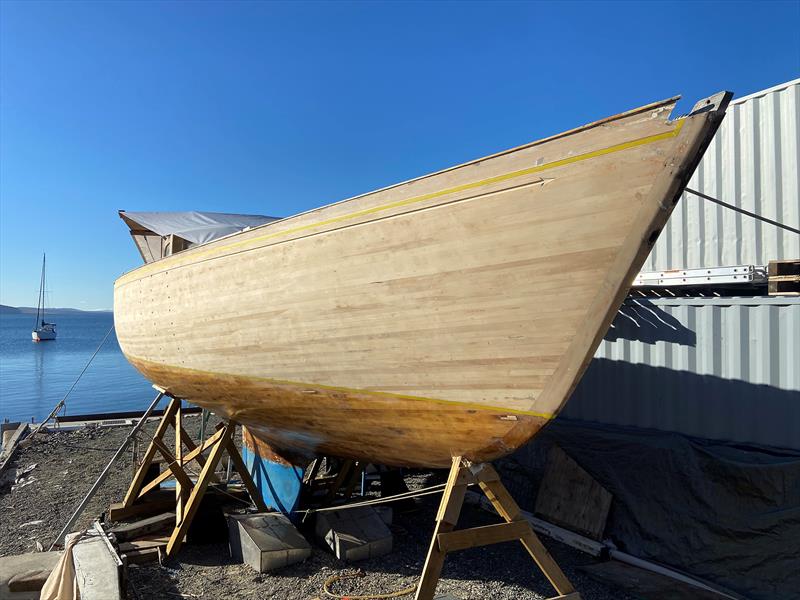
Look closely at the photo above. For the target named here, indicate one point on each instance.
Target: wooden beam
(506, 507)
(119, 512)
(549, 567)
(172, 464)
(446, 519)
(247, 480)
(516, 527)
(130, 531)
(138, 479)
(143, 555)
(189, 443)
(166, 474)
(181, 490)
(159, 541)
(193, 503)
(482, 536)
(338, 482)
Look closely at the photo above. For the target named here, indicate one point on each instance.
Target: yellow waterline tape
(182, 259)
(335, 388)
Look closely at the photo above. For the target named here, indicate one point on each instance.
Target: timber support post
(447, 539)
(188, 492)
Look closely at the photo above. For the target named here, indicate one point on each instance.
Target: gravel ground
(67, 463)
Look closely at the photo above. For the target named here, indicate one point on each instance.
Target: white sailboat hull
(43, 334)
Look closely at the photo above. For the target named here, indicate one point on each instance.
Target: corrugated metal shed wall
(721, 368)
(752, 163)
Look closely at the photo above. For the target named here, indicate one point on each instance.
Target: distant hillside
(28, 310)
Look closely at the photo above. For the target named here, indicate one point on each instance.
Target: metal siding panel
(752, 162)
(721, 368)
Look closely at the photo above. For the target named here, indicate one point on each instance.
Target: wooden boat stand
(322, 490)
(188, 494)
(516, 527)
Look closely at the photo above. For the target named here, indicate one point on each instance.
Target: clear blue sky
(276, 108)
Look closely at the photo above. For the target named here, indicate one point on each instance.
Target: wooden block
(119, 512)
(155, 541)
(784, 277)
(482, 536)
(131, 531)
(783, 268)
(569, 497)
(782, 287)
(144, 555)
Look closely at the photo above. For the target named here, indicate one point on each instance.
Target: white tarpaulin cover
(149, 228)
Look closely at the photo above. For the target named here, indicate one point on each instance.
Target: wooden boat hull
(449, 315)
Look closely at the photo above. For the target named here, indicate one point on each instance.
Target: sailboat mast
(44, 258)
(40, 302)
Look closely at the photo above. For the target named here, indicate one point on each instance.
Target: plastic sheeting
(148, 228)
(726, 513)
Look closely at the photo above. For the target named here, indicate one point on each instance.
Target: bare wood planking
(449, 315)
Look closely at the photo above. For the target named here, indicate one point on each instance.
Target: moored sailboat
(42, 330)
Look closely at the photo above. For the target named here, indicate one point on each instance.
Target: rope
(334, 578)
(742, 211)
(64, 399)
(434, 489)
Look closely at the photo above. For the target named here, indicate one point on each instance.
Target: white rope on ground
(64, 399)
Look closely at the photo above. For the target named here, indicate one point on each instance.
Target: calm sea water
(34, 377)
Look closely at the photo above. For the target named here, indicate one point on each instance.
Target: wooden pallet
(447, 539)
(784, 277)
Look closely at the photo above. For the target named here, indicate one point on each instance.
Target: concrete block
(21, 574)
(266, 541)
(98, 569)
(354, 533)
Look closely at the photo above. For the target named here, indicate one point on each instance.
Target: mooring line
(434, 489)
(64, 399)
(742, 211)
